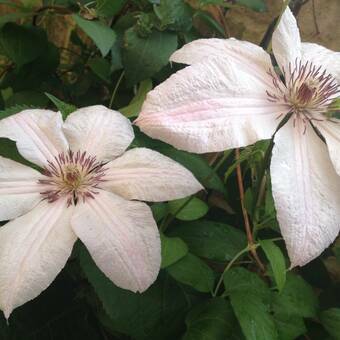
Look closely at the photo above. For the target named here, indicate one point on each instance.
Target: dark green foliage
(143, 57)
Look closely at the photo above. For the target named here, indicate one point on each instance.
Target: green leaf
(250, 298)
(154, 314)
(289, 327)
(9, 150)
(109, 8)
(256, 5)
(253, 316)
(143, 57)
(32, 75)
(330, 319)
(193, 272)
(277, 262)
(336, 251)
(159, 210)
(101, 67)
(30, 98)
(241, 280)
(22, 44)
(174, 14)
(13, 110)
(103, 36)
(188, 209)
(173, 249)
(211, 320)
(133, 109)
(31, 3)
(63, 107)
(8, 17)
(212, 240)
(197, 165)
(296, 299)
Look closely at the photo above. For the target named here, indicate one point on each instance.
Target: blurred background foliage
(64, 54)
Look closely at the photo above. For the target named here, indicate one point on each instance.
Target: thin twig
(315, 19)
(116, 89)
(243, 251)
(251, 244)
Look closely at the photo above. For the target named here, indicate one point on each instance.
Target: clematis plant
(87, 189)
(231, 96)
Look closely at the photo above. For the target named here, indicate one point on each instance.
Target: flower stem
(239, 254)
(249, 234)
(116, 89)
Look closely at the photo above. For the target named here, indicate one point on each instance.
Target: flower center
(308, 90)
(72, 175)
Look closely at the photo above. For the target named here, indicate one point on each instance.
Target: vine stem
(116, 89)
(239, 254)
(251, 244)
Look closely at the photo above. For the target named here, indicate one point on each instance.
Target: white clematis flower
(230, 96)
(87, 190)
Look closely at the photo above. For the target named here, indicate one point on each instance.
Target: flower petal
(34, 248)
(306, 191)
(286, 41)
(331, 132)
(19, 189)
(37, 132)
(147, 175)
(99, 131)
(122, 237)
(320, 55)
(243, 53)
(211, 106)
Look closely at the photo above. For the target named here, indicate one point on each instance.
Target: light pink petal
(211, 106)
(37, 133)
(33, 250)
(286, 41)
(245, 54)
(331, 132)
(306, 191)
(99, 131)
(122, 238)
(324, 57)
(147, 175)
(19, 189)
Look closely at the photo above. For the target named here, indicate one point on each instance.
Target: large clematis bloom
(88, 190)
(230, 96)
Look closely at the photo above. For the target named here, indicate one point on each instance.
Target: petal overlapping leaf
(122, 238)
(147, 175)
(211, 106)
(37, 133)
(34, 249)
